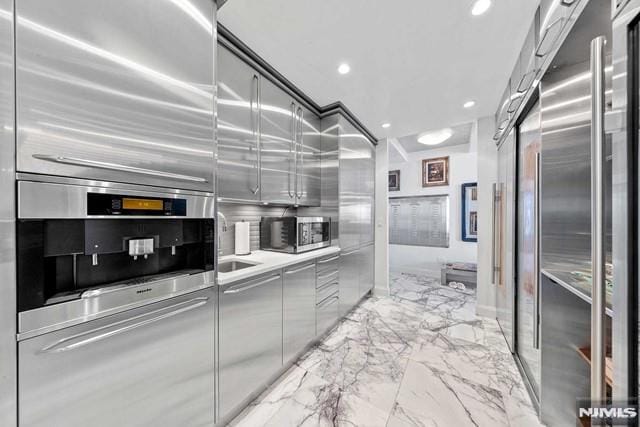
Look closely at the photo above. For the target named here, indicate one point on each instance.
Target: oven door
(148, 366)
(313, 233)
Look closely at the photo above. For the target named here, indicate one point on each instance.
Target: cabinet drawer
(326, 277)
(326, 314)
(326, 290)
(327, 264)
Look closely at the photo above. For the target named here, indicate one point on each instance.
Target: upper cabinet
(554, 16)
(269, 144)
(91, 107)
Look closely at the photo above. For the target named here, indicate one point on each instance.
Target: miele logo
(142, 291)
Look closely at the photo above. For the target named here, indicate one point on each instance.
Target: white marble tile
(430, 397)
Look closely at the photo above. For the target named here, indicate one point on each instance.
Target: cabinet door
(134, 368)
(349, 281)
(238, 120)
(250, 338)
(349, 189)
(366, 193)
(100, 98)
(277, 127)
(299, 309)
(309, 157)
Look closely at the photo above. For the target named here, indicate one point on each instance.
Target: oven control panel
(101, 204)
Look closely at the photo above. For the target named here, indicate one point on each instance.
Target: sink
(231, 265)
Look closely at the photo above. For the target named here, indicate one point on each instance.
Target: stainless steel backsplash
(251, 213)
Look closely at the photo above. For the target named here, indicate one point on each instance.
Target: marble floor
(420, 357)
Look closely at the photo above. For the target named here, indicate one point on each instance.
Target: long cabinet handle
(298, 270)
(301, 148)
(324, 276)
(324, 261)
(83, 339)
(292, 145)
(350, 253)
(598, 296)
(536, 255)
(255, 90)
(333, 283)
(557, 26)
(116, 167)
(251, 286)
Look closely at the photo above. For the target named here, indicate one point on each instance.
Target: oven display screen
(143, 204)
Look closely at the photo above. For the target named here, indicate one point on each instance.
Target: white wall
(381, 220)
(463, 165)
(487, 176)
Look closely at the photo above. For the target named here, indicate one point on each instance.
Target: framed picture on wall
(470, 212)
(435, 172)
(394, 180)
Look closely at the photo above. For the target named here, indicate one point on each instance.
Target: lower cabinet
(299, 309)
(327, 313)
(250, 338)
(349, 280)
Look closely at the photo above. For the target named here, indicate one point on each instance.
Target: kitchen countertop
(269, 261)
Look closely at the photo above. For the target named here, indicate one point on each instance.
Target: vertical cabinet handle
(536, 255)
(255, 89)
(300, 152)
(292, 144)
(598, 296)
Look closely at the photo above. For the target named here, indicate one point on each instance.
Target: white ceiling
(413, 62)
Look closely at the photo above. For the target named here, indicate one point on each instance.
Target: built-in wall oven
(294, 234)
(116, 304)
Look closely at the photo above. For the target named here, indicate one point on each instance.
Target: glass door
(527, 246)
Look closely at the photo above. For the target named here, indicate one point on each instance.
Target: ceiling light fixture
(344, 68)
(469, 104)
(386, 125)
(435, 137)
(480, 7)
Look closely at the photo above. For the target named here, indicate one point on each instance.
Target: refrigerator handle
(598, 296)
(292, 145)
(536, 255)
(255, 88)
(494, 195)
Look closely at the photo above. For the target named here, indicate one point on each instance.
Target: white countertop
(268, 261)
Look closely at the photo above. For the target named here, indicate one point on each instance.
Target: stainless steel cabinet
(554, 16)
(349, 280)
(278, 136)
(143, 367)
(366, 270)
(238, 128)
(327, 313)
(299, 309)
(98, 98)
(269, 145)
(250, 337)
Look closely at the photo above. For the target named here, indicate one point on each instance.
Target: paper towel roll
(243, 243)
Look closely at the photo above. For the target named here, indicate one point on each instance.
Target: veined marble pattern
(420, 357)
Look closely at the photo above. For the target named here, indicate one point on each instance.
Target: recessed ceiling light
(344, 68)
(435, 137)
(386, 125)
(480, 7)
(469, 104)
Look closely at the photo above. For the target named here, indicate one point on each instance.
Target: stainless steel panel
(134, 368)
(250, 351)
(349, 280)
(529, 141)
(298, 309)
(327, 313)
(328, 265)
(624, 334)
(309, 164)
(366, 279)
(42, 200)
(505, 286)
(98, 98)
(349, 187)
(8, 328)
(97, 303)
(277, 145)
(238, 171)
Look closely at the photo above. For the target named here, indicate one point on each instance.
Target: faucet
(224, 229)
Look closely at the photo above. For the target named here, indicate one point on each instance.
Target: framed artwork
(470, 212)
(435, 172)
(394, 180)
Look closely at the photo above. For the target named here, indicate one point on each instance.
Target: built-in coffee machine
(79, 245)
